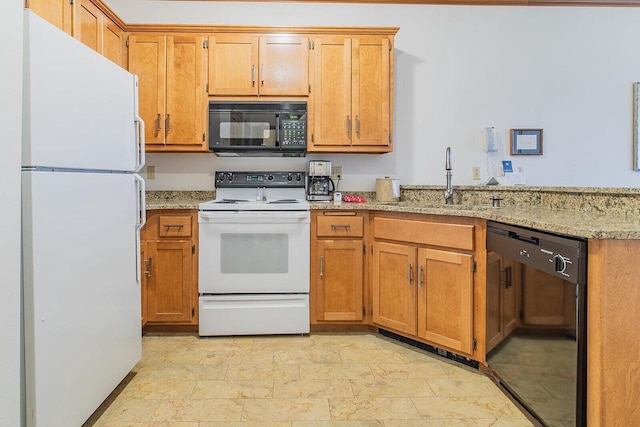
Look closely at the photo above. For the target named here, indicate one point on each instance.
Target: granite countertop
(573, 219)
(588, 225)
(177, 199)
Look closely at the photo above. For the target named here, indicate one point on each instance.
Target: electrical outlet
(475, 173)
(151, 172)
(336, 172)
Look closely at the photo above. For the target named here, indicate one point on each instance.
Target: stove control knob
(220, 176)
(298, 177)
(229, 177)
(290, 177)
(269, 177)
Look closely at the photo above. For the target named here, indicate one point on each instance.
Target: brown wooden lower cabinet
(339, 287)
(170, 282)
(169, 269)
(394, 286)
(338, 273)
(503, 289)
(422, 288)
(445, 298)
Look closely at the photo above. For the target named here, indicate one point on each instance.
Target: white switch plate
(151, 172)
(475, 173)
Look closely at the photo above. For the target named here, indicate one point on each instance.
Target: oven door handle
(254, 217)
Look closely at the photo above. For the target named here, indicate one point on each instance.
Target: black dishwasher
(542, 362)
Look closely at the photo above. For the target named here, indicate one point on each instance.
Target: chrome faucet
(448, 194)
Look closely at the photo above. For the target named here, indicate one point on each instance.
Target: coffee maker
(319, 185)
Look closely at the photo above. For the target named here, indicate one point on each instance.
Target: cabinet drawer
(458, 236)
(339, 226)
(174, 226)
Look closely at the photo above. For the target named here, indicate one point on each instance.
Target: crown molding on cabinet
(137, 28)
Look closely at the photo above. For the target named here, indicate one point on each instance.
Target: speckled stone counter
(590, 213)
(177, 199)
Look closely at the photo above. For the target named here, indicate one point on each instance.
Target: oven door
(254, 252)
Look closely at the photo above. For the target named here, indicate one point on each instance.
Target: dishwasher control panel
(560, 256)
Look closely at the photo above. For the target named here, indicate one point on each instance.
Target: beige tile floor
(318, 380)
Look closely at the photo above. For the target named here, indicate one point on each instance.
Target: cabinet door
(57, 12)
(510, 292)
(147, 59)
(284, 66)
(233, 65)
(502, 308)
(371, 91)
(445, 299)
(144, 274)
(112, 41)
(170, 285)
(394, 287)
(88, 25)
(186, 101)
(495, 332)
(340, 280)
(331, 94)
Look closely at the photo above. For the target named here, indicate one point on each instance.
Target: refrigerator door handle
(141, 202)
(142, 220)
(140, 149)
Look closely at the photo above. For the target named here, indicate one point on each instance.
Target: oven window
(243, 253)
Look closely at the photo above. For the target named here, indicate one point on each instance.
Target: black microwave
(258, 128)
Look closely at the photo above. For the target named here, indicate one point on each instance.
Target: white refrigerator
(82, 209)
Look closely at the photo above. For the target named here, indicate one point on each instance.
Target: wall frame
(636, 126)
(526, 142)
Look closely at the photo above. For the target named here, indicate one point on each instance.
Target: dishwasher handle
(524, 238)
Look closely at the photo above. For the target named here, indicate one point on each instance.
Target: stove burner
(285, 201)
(231, 201)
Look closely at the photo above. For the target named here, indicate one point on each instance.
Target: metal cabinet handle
(357, 125)
(349, 126)
(159, 123)
(149, 264)
(321, 266)
(253, 75)
(507, 278)
(173, 225)
(262, 75)
(409, 274)
(420, 278)
(167, 122)
(336, 226)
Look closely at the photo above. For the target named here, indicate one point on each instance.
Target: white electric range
(254, 255)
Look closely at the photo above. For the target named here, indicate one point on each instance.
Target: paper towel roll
(387, 189)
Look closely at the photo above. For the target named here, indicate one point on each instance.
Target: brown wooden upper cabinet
(351, 97)
(171, 89)
(99, 32)
(241, 64)
(57, 12)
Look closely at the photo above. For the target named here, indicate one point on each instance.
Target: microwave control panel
(294, 129)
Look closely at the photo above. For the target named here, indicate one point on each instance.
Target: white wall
(458, 69)
(10, 123)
